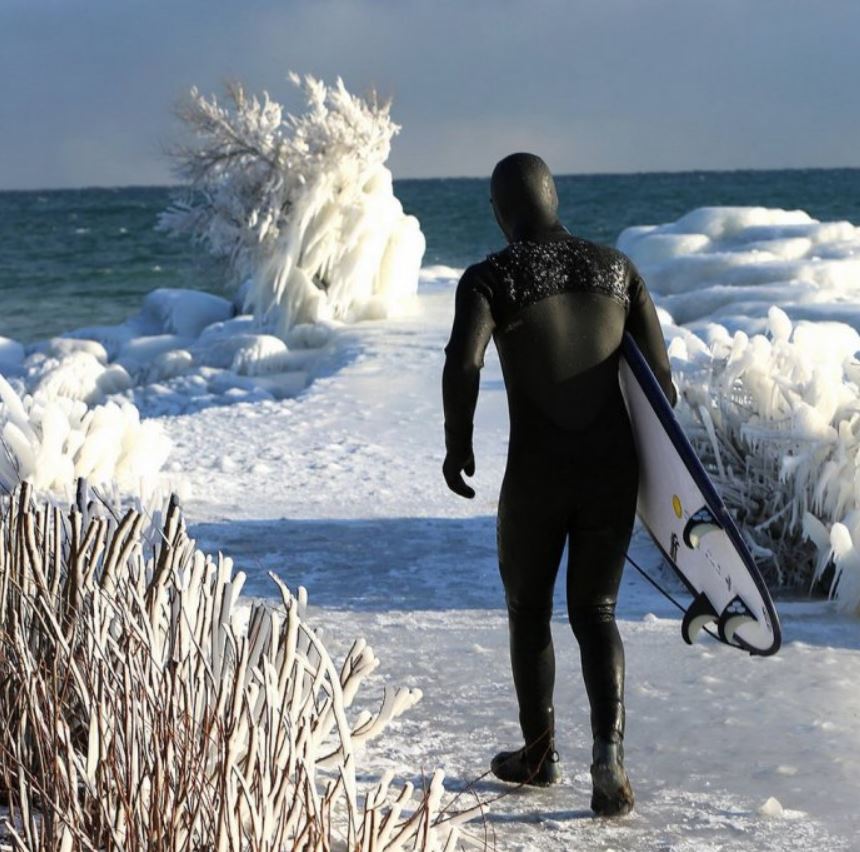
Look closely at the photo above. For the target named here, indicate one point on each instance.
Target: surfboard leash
(665, 594)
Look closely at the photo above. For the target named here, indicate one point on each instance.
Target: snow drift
(770, 395)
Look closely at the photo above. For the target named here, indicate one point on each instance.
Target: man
(557, 307)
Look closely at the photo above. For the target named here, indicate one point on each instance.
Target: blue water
(81, 257)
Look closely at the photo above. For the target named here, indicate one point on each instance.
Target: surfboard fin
(732, 617)
(700, 612)
(698, 526)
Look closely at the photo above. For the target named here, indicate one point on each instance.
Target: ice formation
(771, 394)
(301, 208)
(730, 264)
(76, 405)
(49, 440)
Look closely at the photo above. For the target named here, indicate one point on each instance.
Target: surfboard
(681, 509)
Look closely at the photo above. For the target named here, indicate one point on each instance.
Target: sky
(88, 87)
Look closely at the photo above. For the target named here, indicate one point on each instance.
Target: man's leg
(531, 542)
(599, 536)
(596, 562)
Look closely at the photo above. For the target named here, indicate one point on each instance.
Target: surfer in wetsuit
(557, 307)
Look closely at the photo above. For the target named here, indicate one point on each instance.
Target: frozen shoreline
(340, 489)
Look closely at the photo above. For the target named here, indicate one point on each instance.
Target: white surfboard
(680, 507)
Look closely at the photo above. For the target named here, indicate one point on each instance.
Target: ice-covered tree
(300, 208)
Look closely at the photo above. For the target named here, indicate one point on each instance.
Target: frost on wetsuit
(556, 307)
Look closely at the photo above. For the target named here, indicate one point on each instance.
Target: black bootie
(612, 795)
(537, 765)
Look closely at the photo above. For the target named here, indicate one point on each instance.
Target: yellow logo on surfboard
(676, 505)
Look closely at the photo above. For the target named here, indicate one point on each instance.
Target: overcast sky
(87, 86)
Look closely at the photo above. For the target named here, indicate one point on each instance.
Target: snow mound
(771, 808)
(183, 351)
(731, 264)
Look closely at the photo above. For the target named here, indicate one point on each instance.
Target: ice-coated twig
(139, 711)
(774, 420)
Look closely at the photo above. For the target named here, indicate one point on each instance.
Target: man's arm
(643, 325)
(464, 357)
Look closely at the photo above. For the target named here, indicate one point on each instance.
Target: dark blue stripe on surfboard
(648, 382)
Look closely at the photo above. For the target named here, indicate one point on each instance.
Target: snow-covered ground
(340, 489)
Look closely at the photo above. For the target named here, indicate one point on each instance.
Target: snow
(340, 489)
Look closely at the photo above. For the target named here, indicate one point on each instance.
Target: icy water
(80, 257)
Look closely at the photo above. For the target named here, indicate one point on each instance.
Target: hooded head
(523, 194)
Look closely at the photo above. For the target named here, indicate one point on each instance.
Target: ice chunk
(259, 354)
(771, 808)
(309, 335)
(80, 376)
(182, 312)
(111, 337)
(63, 347)
(140, 350)
(736, 262)
(169, 365)
(778, 323)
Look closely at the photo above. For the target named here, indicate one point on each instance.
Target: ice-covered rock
(139, 351)
(79, 376)
(259, 354)
(65, 347)
(181, 312)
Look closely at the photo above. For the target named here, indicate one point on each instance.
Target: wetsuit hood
(524, 197)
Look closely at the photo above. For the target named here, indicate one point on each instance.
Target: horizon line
(84, 187)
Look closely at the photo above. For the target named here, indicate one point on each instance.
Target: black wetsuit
(556, 307)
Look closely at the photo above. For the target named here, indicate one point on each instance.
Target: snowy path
(340, 490)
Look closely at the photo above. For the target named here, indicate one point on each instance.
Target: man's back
(558, 309)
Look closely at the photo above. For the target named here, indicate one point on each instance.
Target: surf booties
(536, 764)
(612, 794)
(557, 307)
